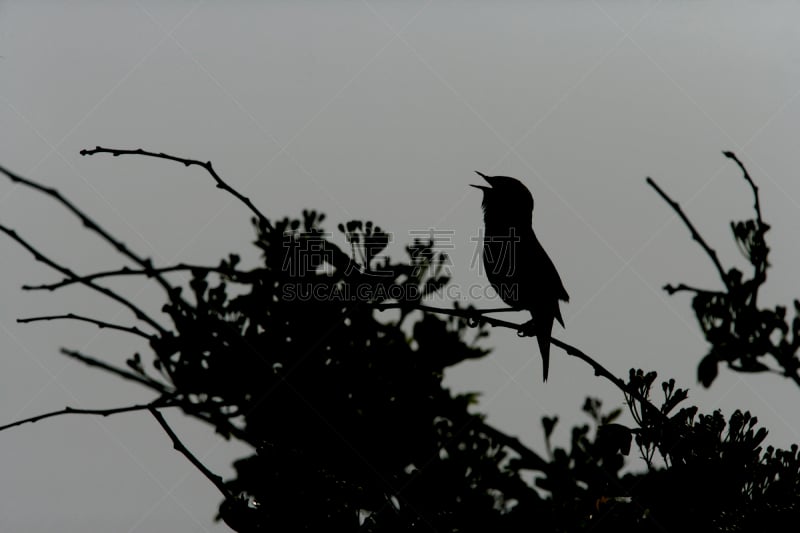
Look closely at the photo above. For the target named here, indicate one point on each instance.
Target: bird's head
(505, 195)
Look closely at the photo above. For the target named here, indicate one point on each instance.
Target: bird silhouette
(519, 269)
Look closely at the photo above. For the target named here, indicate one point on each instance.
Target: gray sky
(380, 110)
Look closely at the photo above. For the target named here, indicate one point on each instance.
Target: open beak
(482, 187)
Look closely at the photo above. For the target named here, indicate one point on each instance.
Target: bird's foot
(528, 329)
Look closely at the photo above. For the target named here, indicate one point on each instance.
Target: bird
(517, 265)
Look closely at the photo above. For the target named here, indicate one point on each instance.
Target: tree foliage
(327, 361)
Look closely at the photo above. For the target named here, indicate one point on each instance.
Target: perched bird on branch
(517, 266)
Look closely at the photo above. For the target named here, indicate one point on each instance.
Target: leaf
(707, 370)
(548, 425)
(613, 438)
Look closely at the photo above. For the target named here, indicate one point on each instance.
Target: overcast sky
(381, 111)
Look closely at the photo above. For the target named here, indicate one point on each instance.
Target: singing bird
(517, 266)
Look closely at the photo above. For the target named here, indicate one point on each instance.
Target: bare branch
(179, 446)
(757, 203)
(216, 419)
(100, 323)
(160, 402)
(141, 315)
(125, 374)
(682, 287)
(695, 235)
(235, 275)
(473, 314)
(497, 310)
(89, 223)
(221, 184)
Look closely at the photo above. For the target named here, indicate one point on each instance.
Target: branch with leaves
(739, 331)
(350, 421)
(478, 316)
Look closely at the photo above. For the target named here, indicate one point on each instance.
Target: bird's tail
(543, 338)
(544, 348)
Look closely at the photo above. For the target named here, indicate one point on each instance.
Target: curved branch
(99, 323)
(221, 184)
(695, 234)
(757, 203)
(179, 446)
(760, 267)
(599, 370)
(161, 402)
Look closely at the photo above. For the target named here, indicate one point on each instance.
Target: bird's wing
(545, 287)
(539, 266)
(562, 295)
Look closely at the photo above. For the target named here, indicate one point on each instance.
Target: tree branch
(160, 402)
(141, 315)
(217, 419)
(599, 370)
(89, 223)
(473, 314)
(100, 323)
(179, 446)
(235, 275)
(682, 287)
(221, 184)
(695, 234)
(757, 203)
(759, 267)
(124, 374)
(496, 310)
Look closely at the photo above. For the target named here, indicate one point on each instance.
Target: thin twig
(221, 184)
(759, 267)
(757, 204)
(141, 315)
(161, 402)
(682, 287)
(141, 379)
(192, 409)
(179, 446)
(89, 223)
(497, 310)
(473, 314)
(99, 323)
(125, 271)
(695, 234)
